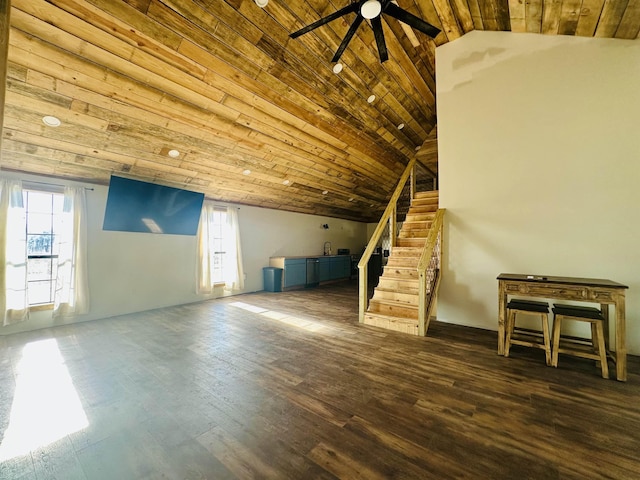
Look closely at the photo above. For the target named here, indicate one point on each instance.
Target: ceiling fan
(371, 10)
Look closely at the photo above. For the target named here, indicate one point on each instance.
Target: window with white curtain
(219, 252)
(44, 212)
(218, 221)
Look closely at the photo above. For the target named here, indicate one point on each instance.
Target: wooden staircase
(394, 304)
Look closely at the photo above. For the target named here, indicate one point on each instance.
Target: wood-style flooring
(290, 386)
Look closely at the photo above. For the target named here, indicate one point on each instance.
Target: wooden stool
(528, 338)
(597, 350)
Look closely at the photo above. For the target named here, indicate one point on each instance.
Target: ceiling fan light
(371, 9)
(337, 68)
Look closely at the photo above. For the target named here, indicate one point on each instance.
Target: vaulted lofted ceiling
(222, 83)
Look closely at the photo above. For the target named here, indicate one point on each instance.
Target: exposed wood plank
(630, 23)
(589, 16)
(517, 13)
(610, 18)
(534, 11)
(449, 21)
(463, 13)
(5, 23)
(569, 16)
(551, 16)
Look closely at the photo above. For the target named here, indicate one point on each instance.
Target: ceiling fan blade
(412, 20)
(347, 38)
(376, 24)
(329, 18)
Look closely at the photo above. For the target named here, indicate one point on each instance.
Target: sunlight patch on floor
(46, 406)
(306, 324)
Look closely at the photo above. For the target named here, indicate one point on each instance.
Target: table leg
(621, 340)
(502, 309)
(604, 308)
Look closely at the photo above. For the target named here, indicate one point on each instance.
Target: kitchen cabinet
(294, 275)
(325, 269)
(295, 272)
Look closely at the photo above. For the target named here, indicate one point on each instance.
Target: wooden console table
(592, 290)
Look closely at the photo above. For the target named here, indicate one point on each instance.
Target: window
(217, 223)
(44, 216)
(219, 253)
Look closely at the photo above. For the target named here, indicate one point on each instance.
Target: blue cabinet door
(295, 272)
(325, 269)
(340, 267)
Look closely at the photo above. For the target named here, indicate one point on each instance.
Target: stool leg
(545, 337)
(511, 321)
(557, 323)
(602, 351)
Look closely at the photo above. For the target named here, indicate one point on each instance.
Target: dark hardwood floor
(290, 386)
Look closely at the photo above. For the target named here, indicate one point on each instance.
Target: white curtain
(232, 270)
(205, 280)
(72, 286)
(14, 303)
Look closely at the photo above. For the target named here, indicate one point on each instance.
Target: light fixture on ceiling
(262, 3)
(51, 121)
(173, 153)
(371, 98)
(351, 199)
(286, 182)
(401, 126)
(418, 148)
(246, 172)
(371, 9)
(337, 68)
(325, 192)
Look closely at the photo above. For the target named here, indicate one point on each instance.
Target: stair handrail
(377, 234)
(430, 243)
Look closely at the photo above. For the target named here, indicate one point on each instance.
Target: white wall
(130, 272)
(539, 166)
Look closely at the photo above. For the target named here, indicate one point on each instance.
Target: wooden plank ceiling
(222, 83)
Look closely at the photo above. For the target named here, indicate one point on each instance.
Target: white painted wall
(130, 272)
(539, 160)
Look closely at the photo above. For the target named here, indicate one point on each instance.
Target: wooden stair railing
(389, 213)
(429, 268)
(426, 274)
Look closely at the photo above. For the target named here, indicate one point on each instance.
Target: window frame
(53, 255)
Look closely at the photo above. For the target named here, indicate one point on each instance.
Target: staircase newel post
(363, 294)
(422, 303)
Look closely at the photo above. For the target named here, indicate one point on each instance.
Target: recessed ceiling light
(417, 148)
(246, 172)
(51, 121)
(371, 98)
(262, 3)
(173, 153)
(337, 68)
(286, 182)
(351, 199)
(401, 126)
(325, 192)
(372, 205)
